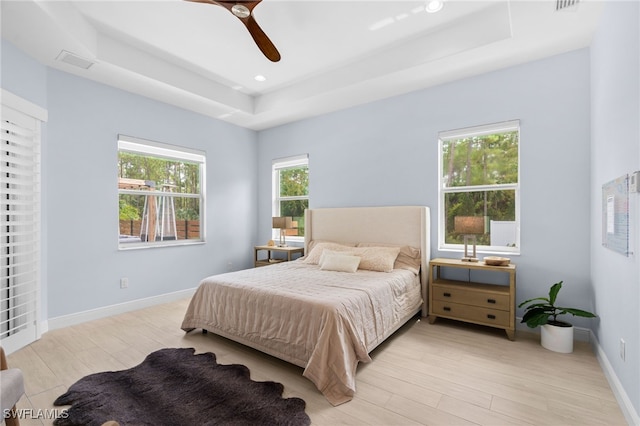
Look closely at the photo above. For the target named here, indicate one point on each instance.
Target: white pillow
(339, 262)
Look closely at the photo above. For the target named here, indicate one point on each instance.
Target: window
(160, 194)
(479, 177)
(291, 193)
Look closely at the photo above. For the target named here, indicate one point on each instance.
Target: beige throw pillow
(379, 259)
(409, 257)
(316, 251)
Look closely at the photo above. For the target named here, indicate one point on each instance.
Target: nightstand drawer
(476, 314)
(471, 296)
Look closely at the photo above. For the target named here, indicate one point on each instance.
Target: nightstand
(492, 305)
(269, 260)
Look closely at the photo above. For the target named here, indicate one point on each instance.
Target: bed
(319, 312)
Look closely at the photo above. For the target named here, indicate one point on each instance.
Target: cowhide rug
(176, 387)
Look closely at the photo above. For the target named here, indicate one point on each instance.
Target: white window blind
(19, 228)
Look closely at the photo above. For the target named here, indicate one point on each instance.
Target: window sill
(487, 252)
(290, 239)
(142, 246)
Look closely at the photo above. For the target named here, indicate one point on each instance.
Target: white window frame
(506, 126)
(276, 166)
(172, 152)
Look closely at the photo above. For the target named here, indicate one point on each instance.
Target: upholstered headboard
(402, 225)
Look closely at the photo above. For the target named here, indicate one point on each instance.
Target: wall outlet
(124, 282)
(622, 349)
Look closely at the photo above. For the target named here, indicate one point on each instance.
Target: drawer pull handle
(446, 294)
(491, 300)
(446, 308)
(491, 316)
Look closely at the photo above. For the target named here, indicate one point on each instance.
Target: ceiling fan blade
(243, 10)
(261, 39)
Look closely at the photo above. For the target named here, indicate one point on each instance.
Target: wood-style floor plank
(445, 373)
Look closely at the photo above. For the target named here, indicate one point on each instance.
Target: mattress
(324, 321)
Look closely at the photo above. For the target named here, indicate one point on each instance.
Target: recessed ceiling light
(260, 77)
(434, 6)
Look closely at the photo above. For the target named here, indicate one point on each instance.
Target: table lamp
(282, 223)
(469, 226)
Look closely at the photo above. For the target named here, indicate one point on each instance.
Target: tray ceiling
(335, 54)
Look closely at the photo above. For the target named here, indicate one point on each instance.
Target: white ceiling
(335, 53)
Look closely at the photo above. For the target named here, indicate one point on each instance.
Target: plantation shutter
(19, 227)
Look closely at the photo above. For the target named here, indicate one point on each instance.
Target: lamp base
(283, 241)
(470, 257)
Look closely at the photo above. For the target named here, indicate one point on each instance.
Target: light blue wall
(386, 153)
(80, 200)
(615, 138)
(84, 121)
(22, 75)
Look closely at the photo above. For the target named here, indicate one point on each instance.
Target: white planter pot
(557, 339)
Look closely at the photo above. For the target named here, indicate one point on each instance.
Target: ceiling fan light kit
(243, 10)
(240, 10)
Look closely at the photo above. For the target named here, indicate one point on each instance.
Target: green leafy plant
(543, 310)
(128, 212)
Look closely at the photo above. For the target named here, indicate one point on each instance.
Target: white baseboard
(106, 311)
(630, 414)
(581, 334)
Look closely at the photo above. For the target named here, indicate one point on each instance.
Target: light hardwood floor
(446, 373)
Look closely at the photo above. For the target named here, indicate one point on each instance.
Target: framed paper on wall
(615, 215)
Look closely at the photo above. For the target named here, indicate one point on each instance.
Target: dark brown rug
(176, 387)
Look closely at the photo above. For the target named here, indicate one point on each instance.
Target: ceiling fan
(243, 10)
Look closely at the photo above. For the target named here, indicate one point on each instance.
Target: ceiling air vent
(73, 59)
(566, 4)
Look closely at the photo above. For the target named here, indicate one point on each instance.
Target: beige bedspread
(323, 321)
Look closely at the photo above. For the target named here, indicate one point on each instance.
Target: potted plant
(556, 335)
